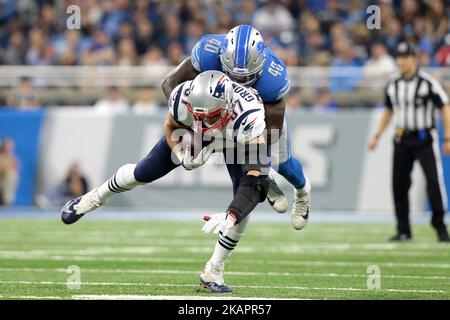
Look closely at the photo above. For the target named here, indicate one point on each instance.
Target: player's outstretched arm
(274, 116)
(183, 72)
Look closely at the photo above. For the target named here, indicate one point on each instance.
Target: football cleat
(300, 208)
(212, 278)
(400, 237)
(74, 209)
(276, 197)
(443, 235)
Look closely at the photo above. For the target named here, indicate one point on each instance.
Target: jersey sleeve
(177, 107)
(387, 98)
(438, 94)
(205, 54)
(274, 83)
(249, 125)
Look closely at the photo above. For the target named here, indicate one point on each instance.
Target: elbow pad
(252, 190)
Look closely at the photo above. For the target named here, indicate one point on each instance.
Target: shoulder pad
(177, 107)
(274, 81)
(205, 54)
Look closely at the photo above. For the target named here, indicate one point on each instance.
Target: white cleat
(276, 197)
(74, 209)
(300, 208)
(212, 278)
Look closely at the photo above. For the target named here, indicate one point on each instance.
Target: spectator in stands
(341, 80)
(68, 47)
(244, 12)
(443, 54)
(14, 53)
(145, 103)
(74, 184)
(25, 98)
(176, 54)
(113, 103)
(9, 172)
(154, 57)
(145, 36)
(127, 55)
(380, 63)
(323, 101)
(436, 22)
(172, 33)
(294, 100)
(272, 19)
(194, 32)
(102, 51)
(36, 46)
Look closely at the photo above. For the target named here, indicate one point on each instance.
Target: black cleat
(68, 213)
(401, 237)
(215, 287)
(443, 236)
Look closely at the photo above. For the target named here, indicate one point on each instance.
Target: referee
(412, 96)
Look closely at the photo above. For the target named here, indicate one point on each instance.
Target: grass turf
(155, 258)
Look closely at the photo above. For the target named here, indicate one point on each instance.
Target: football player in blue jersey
(244, 57)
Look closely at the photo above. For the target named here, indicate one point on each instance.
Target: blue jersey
(273, 83)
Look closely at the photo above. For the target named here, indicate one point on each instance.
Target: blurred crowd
(331, 33)
(145, 32)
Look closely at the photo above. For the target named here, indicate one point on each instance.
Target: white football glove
(189, 162)
(219, 222)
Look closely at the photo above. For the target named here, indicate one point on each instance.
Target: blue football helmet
(243, 54)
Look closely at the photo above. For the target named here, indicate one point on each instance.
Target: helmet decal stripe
(242, 46)
(177, 102)
(236, 46)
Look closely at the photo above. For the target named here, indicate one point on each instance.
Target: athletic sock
(226, 244)
(123, 180)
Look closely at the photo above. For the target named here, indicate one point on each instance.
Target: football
(192, 141)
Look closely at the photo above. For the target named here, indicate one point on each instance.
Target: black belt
(422, 134)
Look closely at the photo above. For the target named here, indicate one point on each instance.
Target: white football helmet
(210, 100)
(243, 54)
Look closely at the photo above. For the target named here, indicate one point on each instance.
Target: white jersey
(247, 121)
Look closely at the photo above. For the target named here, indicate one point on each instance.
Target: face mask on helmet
(244, 79)
(215, 119)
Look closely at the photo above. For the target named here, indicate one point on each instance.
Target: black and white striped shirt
(415, 100)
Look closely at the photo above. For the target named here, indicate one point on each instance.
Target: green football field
(130, 259)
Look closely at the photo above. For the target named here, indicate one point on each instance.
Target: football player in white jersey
(232, 117)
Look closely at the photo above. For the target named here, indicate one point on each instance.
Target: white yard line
(231, 273)
(31, 297)
(299, 288)
(247, 249)
(285, 244)
(43, 255)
